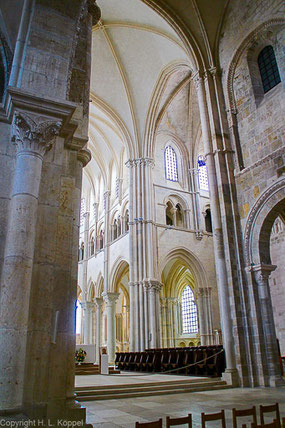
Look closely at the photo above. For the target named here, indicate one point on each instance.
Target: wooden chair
(242, 413)
(283, 422)
(156, 424)
(269, 409)
(220, 416)
(170, 422)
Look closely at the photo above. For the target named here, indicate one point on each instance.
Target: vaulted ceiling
(135, 44)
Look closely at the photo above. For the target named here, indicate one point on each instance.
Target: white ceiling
(131, 46)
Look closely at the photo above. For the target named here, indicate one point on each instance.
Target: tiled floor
(125, 412)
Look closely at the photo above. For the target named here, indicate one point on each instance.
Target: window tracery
(170, 162)
(268, 68)
(189, 311)
(202, 173)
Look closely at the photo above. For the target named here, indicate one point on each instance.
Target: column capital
(140, 161)
(197, 78)
(89, 306)
(34, 133)
(152, 285)
(99, 301)
(261, 271)
(84, 156)
(110, 298)
(204, 291)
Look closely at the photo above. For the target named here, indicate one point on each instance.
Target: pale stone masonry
(140, 158)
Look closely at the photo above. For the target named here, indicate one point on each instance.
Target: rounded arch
(190, 260)
(245, 45)
(261, 217)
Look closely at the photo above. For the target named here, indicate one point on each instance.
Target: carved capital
(84, 156)
(197, 79)
(99, 302)
(34, 133)
(110, 298)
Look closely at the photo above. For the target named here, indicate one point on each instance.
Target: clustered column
(221, 270)
(205, 316)
(144, 301)
(270, 368)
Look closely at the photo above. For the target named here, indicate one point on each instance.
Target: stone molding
(247, 42)
(254, 212)
(140, 161)
(110, 298)
(99, 301)
(84, 156)
(34, 133)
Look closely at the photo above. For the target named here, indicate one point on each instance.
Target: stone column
(106, 238)
(88, 308)
(231, 374)
(110, 300)
(99, 302)
(268, 338)
(202, 316)
(86, 216)
(33, 136)
(154, 313)
(193, 173)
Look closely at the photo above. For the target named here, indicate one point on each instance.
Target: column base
(56, 413)
(231, 376)
(275, 381)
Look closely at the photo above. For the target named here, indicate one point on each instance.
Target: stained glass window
(170, 160)
(268, 68)
(189, 311)
(202, 173)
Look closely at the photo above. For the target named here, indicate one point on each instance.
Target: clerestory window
(268, 68)
(202, 173)
(189, 311)
(170, 161)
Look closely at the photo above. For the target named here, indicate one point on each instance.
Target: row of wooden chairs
(201, 360)
(220, 416)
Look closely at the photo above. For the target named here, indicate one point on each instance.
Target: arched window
(115, 230)
(101, 240)
(202, 173)
(189, 311)
(268, 68)
(81, 252)
(179, 216)
(170, 162)
(169, 214)
(92, 246)
(208, 221)
(127, 221)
